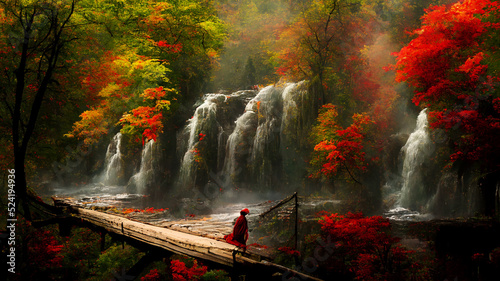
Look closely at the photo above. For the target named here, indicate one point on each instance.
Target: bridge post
(296, 219)
(103, 240)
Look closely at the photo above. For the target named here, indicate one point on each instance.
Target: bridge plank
(175, 241)
(180, 242)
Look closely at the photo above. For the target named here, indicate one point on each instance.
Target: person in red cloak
(239, 236)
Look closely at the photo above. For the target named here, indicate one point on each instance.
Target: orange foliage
(101, 74)
(146, 210)
(109, 95)
(341, 148)
(92, 125)
(104, 85)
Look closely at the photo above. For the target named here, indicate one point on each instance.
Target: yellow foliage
(109, 90)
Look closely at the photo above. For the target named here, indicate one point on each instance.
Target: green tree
(188, 35)
(322, 40)
(52, 49)
(248, 77)
(153, 45)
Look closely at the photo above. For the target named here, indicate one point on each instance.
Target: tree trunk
(21, 186)
(51, 53)
(19, 148)
(488, 186)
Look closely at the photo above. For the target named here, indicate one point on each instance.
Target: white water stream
(112, 162)
(146, 172)
(413, 198)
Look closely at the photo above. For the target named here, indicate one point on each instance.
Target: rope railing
(296, 207)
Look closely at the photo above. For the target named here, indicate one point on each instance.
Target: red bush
(364, 247)
(289, 251)
(153, 275)
(182, 273)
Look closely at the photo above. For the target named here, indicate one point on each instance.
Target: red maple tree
(451, 64)
(340, 149)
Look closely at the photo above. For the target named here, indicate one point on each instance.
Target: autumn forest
(386, 112)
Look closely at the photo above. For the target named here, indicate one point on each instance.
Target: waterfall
(262, 149)
(298, 114)
(409, 189)
(426, 191)
(245, 145)
(415, 152)
(202, 141)
(239, 146)
(144, 177)
(204, 119)
(248, 139)
(112, 162)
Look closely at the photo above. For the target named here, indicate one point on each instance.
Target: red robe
(240, 233)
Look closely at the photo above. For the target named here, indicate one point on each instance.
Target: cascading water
(256, 140)
(112, 162)
(246, 139)
(144, 177)
(416, 151)
(256, 131)
(250, 139)
(298, 114)
(413, 196)
(202, 141)
(108, 187)
(455, 196)
(238, 146)
(426, 191)
(203, 117)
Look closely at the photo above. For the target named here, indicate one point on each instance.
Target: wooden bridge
(186, 239)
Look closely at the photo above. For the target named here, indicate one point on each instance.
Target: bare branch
(349, 172)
